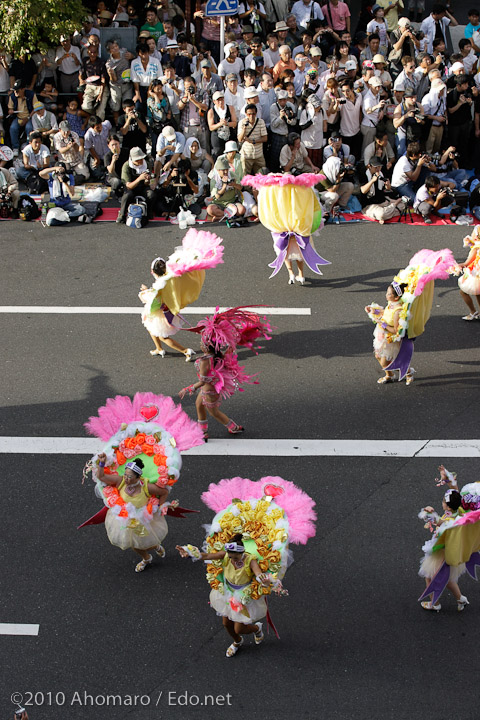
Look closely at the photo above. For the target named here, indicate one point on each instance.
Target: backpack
(28, 208)
(35, 183)
(137, 214)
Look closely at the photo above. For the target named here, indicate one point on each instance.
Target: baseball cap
(403, 21)
(408, 93)
(375, 8)
(122, 17)
(315, 52)
(205, 63)
(230, 146)
(137, 153)
(18, 84)
(231, 76)
(168, 132)
(282, 94)
(375, 81)
(217, 95)
(250, 92)
(335, 137)
(350, 65)
(64, 125)
(248, 29)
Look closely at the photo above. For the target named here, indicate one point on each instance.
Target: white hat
(217, 95)
(172, 43)
(403, 21)
(315, 51)
(231, 146)
(375, 81)
(350, 65)
(168, 132)
(282, 94)
(437, 84)
(249, 93)
(137, 153)
(378, 59)
(456, 66)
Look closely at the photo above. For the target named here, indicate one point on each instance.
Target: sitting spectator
(411, 171)
(448, 168)
(200, 160)
(118, 69)
(432, 196)
(170, 145)
(336, 148)
(44, 122)
(94, 81)
(36, 157)
(226, 193)
(9, 186)
(61, 187)
(178, 190)
(69, 62)
(67, 143)
(409, 121)
(313, 126)
(75, 119)
(158, 111)
(20, 107)
(96, 142)
(333, 189)
(252, 134)
(114, 160)
(379, 200)
(133, 127)
(381, 150)
(48, 95)
(294, 156)
(136, 179)
(222, 122)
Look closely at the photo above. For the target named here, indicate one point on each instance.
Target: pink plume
(233, 327)
(121, 409)
(305, 180)
(297, 504)
(439, 261)
(200, 250)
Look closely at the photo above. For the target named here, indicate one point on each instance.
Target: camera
(191, 90)
(342, 101)
(289, 112)
(448, 192)
(454, 155)
(418, 34)
(6, 204)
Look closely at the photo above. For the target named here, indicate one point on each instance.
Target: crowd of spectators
(389, 116)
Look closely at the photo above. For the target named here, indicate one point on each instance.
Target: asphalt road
(355, 643)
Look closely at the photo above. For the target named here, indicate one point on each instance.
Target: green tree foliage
(30, 24)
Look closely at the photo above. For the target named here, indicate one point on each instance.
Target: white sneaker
(471, 316)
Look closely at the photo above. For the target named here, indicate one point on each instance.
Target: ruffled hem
(158, 325)
(469, 284)
(382, 347)
(257, 609)
(126, 538)
(431, 564)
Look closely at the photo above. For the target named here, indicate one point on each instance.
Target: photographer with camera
(459, 106)
(434, 105)
(294, 157)
(448, 168)
(137, 178)
(9, 194)
(170, 145)
(335, 189)
(408, 120)
(193, 107)
(378, 199)
(283, 119)
(404, 43)
(132, 126)
(172, 194)
(432, 196)
(337, 148)
(411, 171)
(373, 108)
(381, 150)
(226, 193)
(67, 144)
(222, 122)
(61, 186)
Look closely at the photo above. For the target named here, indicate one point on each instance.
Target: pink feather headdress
(200, 250)
(232, 328)
(441, 262)
(145, 407)
(297, 504)
(280, 179)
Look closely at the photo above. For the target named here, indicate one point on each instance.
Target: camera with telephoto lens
(6, 204)
(191, 90)
(179, 178)
(289, 112)
(448, 193)
(436, 157)
(417, 113)
(454, 155)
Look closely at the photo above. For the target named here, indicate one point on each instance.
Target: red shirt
(336, 16)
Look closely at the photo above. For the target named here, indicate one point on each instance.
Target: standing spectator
(94, 80)
(285, 62)
(36, 157)
(294, 35)
(253, 12)
(408, 121)
(20, 106)
(172, 87)
(459, 107)
(469, 59)
(372, 111)
(24, 69)
(168, 10)
(372, 49)
(46, 66)
(255, 60)
(193, 107)
(4, 80)
(158, 111)
(143, 70)
(210, 31)
(271, 55)
(222, 122)
(170, 34)
(305, 11)
(210, 82)
(152, 23)
(67, 144)
(266, 96)
(350, 118)
(403, 43)
(313, 126)
(68, 62)
(136, 179)
(435, 25)
(282, 121)
(96, 142)
(234, 93)
(337, 15)
(118, 69)
(132, 127)
(252, 133)
(44, 121)
(232, 63)
(472, 28)
(407, 79)
(379, 26)
(391, 12)
(434, 106)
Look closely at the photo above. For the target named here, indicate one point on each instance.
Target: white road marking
(89, 310)
(18, 629)
(273, 447)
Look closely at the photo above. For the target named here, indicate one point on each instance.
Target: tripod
(406, 213)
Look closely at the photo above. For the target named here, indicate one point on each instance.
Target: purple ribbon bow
(311, 257)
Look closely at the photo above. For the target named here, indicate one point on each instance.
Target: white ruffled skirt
(469, 282)
(431, 564)
(382, 347)
(127, 538)
(257, 609)
(158, 325)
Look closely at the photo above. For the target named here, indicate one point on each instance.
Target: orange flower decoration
(140, 438)
(172, 481)
(121, 459)
(130, 443)
(147, 449)
(160, 459)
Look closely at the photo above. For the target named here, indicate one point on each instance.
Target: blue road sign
(221, 7)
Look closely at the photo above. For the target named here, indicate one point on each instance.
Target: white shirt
(381, 28)
(404, 82)
(469, 62)
(350, 117)
(271, 58)
(236, 101)
(68, 66)
(36, 160)
(369, 101)
(312, 137)
(421, 196)
(266, 99)
(305, 13)
(225, 68)
(402, 166)
(144, 77)
(434, 105)
(299, 79)
(428, 27)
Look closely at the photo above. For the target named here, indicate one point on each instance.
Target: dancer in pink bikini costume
(219, 374)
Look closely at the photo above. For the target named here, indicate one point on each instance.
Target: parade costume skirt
(126, 538)
(469, 282)
(431, 564)
(210, 399)
(158, 325)
(257, 609)
(381, 346)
